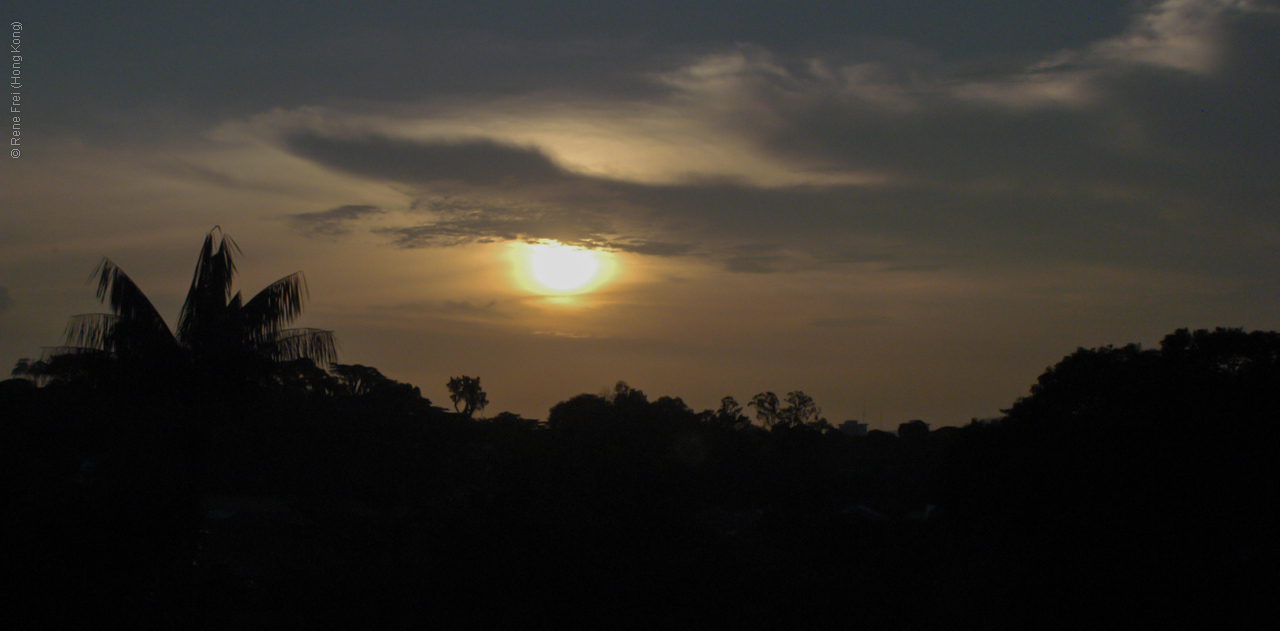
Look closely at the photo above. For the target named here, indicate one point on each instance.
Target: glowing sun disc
(562, 268)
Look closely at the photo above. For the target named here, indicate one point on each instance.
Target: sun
(552, 268)
(562, 268)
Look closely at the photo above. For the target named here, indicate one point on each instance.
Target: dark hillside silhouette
(1142, 476)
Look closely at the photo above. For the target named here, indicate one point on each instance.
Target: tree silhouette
(217, 333)
(801, 411)
(467, 391)
(766, 405)
(356, 379)
(797, 410)
(626, 397)
(730, 414)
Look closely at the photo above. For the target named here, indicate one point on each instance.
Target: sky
(905, 209)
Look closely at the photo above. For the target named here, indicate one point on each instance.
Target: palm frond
(133, 309)
(224, 267)
(216, 268)
(317, 345)
(122, 294)
(204, 309)
(91, 330)
(277, 305)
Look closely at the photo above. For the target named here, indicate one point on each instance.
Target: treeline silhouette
(1131, 485)
(188, 487)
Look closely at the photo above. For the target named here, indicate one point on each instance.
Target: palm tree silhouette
(217, 333)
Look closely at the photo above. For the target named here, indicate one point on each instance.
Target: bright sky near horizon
(907, 210)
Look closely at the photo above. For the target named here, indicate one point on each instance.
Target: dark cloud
(235, 60)
(1096, 160)
(524, 193)
(333, 222)
(462, 221)
(6, 302)
(1107, 154)
(652, 248)
(1071, 128)
(478, 162)
(459, 222)
(192, 69)
(515, 193)
(483, 223)
(952, 218)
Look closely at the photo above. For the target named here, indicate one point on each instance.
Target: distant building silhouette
(853, 428)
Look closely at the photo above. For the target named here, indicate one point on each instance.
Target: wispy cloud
(335, 221)
(456, 308)
(438, 221)
(456, 221)
(1177, 34)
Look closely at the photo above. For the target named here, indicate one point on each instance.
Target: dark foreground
(1132, 487)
